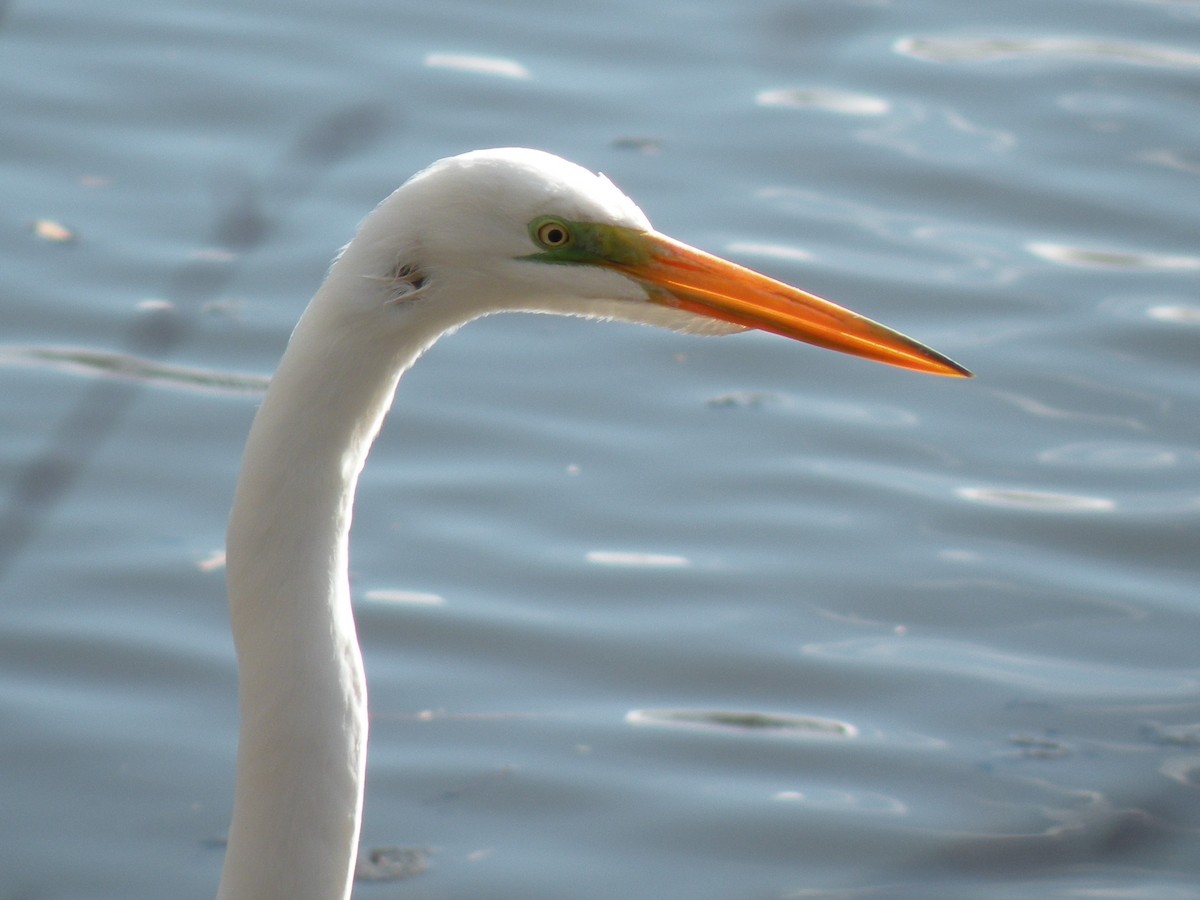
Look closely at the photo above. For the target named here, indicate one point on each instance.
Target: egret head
(523, 230)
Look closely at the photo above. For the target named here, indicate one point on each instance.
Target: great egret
(485, 232)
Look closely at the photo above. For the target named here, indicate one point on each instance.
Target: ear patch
(406, 281)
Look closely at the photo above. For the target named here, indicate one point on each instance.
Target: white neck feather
(302, 749)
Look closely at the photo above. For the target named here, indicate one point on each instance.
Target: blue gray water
(645, 615)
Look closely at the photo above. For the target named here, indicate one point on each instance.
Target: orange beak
(683, 277)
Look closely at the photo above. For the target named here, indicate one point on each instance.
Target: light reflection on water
(1065, 49)
(1073, 679)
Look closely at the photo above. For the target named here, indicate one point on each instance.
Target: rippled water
(645, 615)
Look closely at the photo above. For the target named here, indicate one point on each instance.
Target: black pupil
(555, 236)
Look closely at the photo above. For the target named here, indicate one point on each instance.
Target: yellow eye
(552, 234)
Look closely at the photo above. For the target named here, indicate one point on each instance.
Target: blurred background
(644, 615)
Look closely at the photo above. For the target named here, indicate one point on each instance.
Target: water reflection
(936, 133)
(637, 559)
(1020, 671)
(785, 252)
(1180, 313)
(1040, 501)
(983, 50)
(1169, 159)
(399, 596)
(56, 232)
(834, 800)
(812, 408)
(1044, 410)
(94, 363)
(477, 65)
(1183, 769)
(1095, 258)
(1117, 455)
(956, 252)
(744, 722)
(825, 100)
